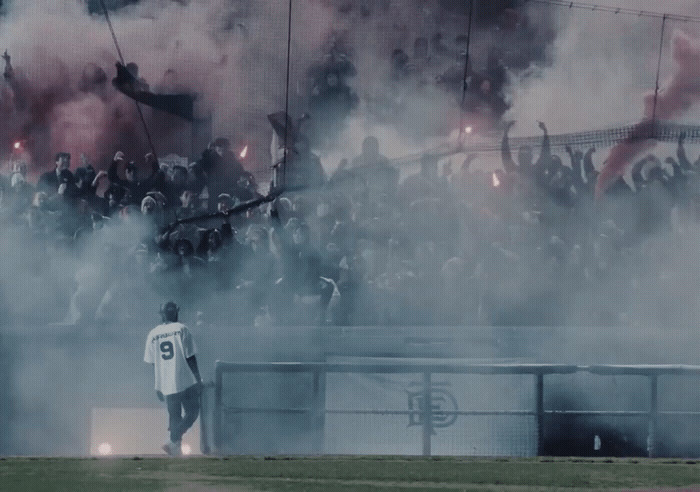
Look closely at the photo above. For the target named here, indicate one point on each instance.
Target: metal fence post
(653, 414)
(217, 408)
(539, 411)
(319, 410)
(427, 414)
(204, 422)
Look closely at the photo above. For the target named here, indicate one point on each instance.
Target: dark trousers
(187, 400)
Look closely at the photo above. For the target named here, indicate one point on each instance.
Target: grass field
(347, 474)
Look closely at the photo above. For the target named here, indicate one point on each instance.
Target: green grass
(346, 474)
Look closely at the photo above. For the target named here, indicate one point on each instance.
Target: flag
(181, 105)
(281, 124)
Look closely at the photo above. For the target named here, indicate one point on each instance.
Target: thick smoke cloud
(596, 74)
(575, 72)
(599, 78)
(679, 95)
(59, 301)
(231, 54)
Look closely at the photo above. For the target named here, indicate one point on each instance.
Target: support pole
(427, 414)
(319, 410)
(217, 410)
(539, 411)
(466, 68)
(286, 96)
(204, 421)
(658, 75)
(653, 415)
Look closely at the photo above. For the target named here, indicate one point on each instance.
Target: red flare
(679, 95)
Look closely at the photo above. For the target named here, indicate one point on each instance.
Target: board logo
(443, 405)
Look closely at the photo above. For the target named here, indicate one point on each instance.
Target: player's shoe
(173, 448)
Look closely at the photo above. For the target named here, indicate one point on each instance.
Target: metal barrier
(426, 413)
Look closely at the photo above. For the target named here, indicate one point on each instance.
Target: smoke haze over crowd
(454, 246)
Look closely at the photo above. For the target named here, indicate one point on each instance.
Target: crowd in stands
(517, 246)
(435, 69)
(525, 244)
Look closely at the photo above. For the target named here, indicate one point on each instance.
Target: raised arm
(682, 156)
(546, 151)
(588, 167)
(151, 181)
(100, 174)
(113, 172)
(636, 172)
(575, 158)
(506, 156)
(542, 165)
(9, 71)
(679, 176)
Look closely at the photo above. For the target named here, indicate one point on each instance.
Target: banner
(181, 105)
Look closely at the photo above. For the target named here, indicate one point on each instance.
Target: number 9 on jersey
(166, 350)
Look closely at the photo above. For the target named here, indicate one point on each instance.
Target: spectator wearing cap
(50, 181)
(134, 189)
(152, 213)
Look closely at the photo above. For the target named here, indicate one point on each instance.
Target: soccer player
(171, 349)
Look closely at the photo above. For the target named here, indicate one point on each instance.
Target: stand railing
(426, 411)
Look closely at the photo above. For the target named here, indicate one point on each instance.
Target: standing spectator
(222, 167)
(171, 349)
(302, 168)
(51, 180)
(379, 176)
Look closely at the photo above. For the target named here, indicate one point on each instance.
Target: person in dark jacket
(50, 181)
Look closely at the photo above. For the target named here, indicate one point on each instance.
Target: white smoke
(598, 76)
(233, 54)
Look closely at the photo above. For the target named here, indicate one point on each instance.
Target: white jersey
(167, 347)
